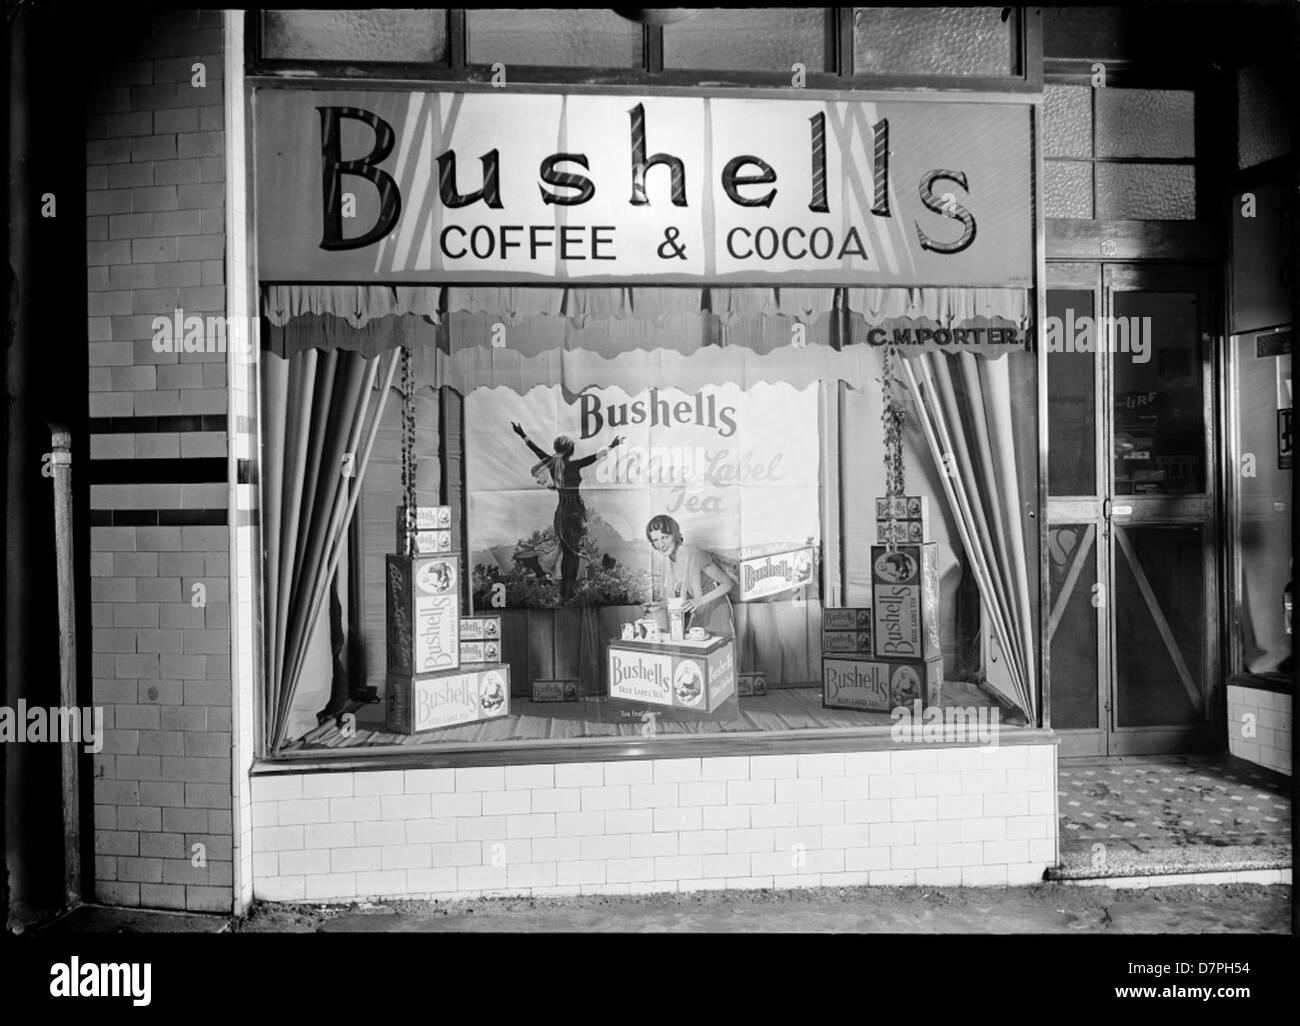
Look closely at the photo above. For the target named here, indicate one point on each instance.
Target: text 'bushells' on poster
(359, 185)
(736, 469)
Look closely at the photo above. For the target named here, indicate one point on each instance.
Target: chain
(892, 417)
(408, 450)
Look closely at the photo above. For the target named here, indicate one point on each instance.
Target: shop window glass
(381, 35)
(966, 41)
(1145, 123)
(554, 36)
(1146, 191)
(554, 633)
(748, 39)
(1067, 188)
(1262, 519)
(1067, 121)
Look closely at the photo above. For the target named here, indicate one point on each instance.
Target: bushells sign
(360, 186)
(737, 469)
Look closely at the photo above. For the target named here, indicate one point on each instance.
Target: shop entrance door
(1133, 627)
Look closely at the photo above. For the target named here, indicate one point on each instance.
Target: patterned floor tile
(1183, 801)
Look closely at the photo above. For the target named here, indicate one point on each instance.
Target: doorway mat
(1118, 808)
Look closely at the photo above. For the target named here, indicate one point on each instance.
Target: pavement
(1044, 909)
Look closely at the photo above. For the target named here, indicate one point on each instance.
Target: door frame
(1200, 508)
(1102, 279)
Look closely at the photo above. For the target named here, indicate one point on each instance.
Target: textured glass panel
(931, 41)
(553, 36)
(1145, 123)
(1160, 625)
(1071, 408)
(1159, 394)
(748, 39)
(416, 36)
(1073, 625)
(1263, 129)
(1067, 121)
(1067, 188)
(1151, 192)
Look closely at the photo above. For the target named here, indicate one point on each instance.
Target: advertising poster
(737, 469)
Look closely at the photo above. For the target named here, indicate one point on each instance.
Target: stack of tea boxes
(888, 655)
(444, 669)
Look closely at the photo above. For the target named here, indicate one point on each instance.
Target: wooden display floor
(781, 709)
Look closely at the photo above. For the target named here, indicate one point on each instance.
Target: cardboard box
(846, 629)
(426, 519)
(751, 685)
(773, 574)
(423, 609)
(480, 628)
(480, 652)
(880, 685)
(846, 618)
(900, 532)
(905, 601)
(847, 642)
(555, 691)
(695, 677)
(437, 700)
(903, 519)
(428, 542)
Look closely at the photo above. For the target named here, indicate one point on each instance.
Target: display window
(604, 513)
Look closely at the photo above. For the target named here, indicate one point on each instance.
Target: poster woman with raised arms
(561, 472)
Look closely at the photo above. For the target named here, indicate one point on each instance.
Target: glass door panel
(1071, 397)
(1160, 625)
(1159, 393)
(1072, 627)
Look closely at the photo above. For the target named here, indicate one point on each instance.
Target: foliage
(605, 581)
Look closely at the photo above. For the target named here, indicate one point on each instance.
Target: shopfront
(881, 348)
(766, 351)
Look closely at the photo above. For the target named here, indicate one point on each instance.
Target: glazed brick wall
(938, 817)
(1270, 741)
(155, 241)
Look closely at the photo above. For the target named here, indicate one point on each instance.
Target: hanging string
(408, 451)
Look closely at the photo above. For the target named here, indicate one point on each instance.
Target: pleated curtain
(964, 404)
(320, 413)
